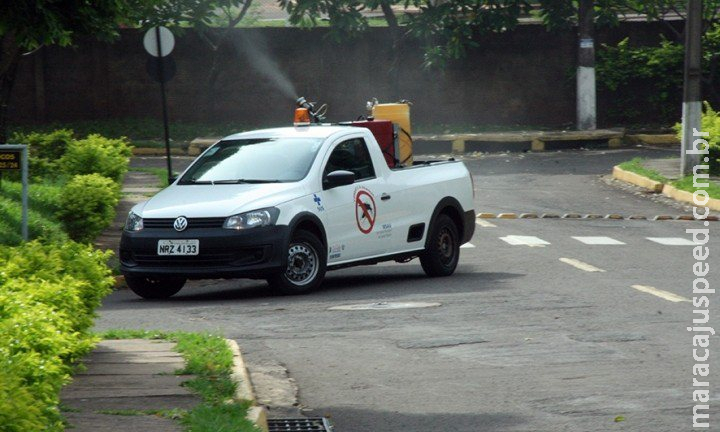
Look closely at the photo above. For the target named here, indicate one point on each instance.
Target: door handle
(385, 197)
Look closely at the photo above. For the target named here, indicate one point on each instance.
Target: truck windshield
(258, 160)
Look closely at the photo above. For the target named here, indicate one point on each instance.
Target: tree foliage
(26, 25)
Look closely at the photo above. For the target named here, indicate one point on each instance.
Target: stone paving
(125, 381)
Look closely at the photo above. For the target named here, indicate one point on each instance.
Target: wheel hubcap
(446, 246)
(302, 264)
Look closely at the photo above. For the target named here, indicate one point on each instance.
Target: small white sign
(167, 41)
(586, 43)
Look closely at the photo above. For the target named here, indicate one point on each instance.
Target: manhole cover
(319, 424)
(385, 306)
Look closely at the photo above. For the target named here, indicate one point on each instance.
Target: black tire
(442, 253)
(306, 265)
(154, 287)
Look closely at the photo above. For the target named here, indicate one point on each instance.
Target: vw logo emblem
(180, 223)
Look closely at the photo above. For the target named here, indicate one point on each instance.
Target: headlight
(133, 222)
(252, 219)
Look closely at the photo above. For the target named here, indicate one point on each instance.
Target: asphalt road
(524, 338)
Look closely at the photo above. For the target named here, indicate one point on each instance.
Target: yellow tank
(398, 113)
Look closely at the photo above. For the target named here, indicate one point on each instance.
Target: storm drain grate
(319, 424)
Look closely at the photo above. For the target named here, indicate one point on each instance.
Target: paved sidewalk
(137, 186)
(130, 377)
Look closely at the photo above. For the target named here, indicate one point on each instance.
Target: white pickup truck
(288, 204)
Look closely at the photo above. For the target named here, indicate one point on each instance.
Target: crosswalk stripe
(467, 246)
(667, 295)
(485, 224)
(671, 241)
(598, 240)
(581, 265)
(531, 241)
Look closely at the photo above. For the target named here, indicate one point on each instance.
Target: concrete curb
(256, 414)
(637, 179)
(657, 187)
(657, 140)
(687, 197)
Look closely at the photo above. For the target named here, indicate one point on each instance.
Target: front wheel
(154, 287)
(441, 256)
(305, 269)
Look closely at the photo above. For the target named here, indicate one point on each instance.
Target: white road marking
(672, 241)
(524, 241)
(598, 241)
(485, 224)
(581, 265)
(467, 246)
(667, 295)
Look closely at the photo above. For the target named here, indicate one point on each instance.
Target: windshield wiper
(239, 181)
(234, 181)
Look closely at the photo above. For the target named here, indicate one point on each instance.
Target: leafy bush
(44, 202)
(45, 150)
(88, 206)
(97, 154)
(646, 81)
(48, 295)
(710, 123)
(642, 79)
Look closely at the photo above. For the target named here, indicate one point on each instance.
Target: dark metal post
(692, 102)
(586, 99)
(161, 73)
(25, 181)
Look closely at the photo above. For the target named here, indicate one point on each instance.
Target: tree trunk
(9, 61)
(394, 70)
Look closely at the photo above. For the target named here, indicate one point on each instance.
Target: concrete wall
(521, 77)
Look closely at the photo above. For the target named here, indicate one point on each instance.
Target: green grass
(210, 360)
(174, 414)
(635, 165)
(139, 130)
(686, 184)
(43, 203)
(160, 173)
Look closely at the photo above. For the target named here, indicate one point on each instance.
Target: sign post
(159, 42)
(14, 157)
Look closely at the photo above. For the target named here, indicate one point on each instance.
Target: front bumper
(254, 253)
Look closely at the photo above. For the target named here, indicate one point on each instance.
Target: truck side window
(351, 155)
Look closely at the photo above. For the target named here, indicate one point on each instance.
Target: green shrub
(97, 154)
(646, 81)
(88, 206)
(48, 295)
(45, 149)
(642, 79)
(20, 411)
(53, 263)
(710, 123)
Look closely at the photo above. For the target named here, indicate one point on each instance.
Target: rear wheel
(441, 256)
(305, 269)
(154, 287)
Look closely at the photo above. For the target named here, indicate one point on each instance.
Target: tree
(204, 17)
(447, 27)
(29, 25)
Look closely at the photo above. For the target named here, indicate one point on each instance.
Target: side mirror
(338, 178)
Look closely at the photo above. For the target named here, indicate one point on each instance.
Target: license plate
(178, 247)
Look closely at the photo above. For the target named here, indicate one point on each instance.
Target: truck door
(354, 214)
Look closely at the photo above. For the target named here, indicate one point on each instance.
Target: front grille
(204, 260)
(207, 258)
(319, 424)
(167, 223)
